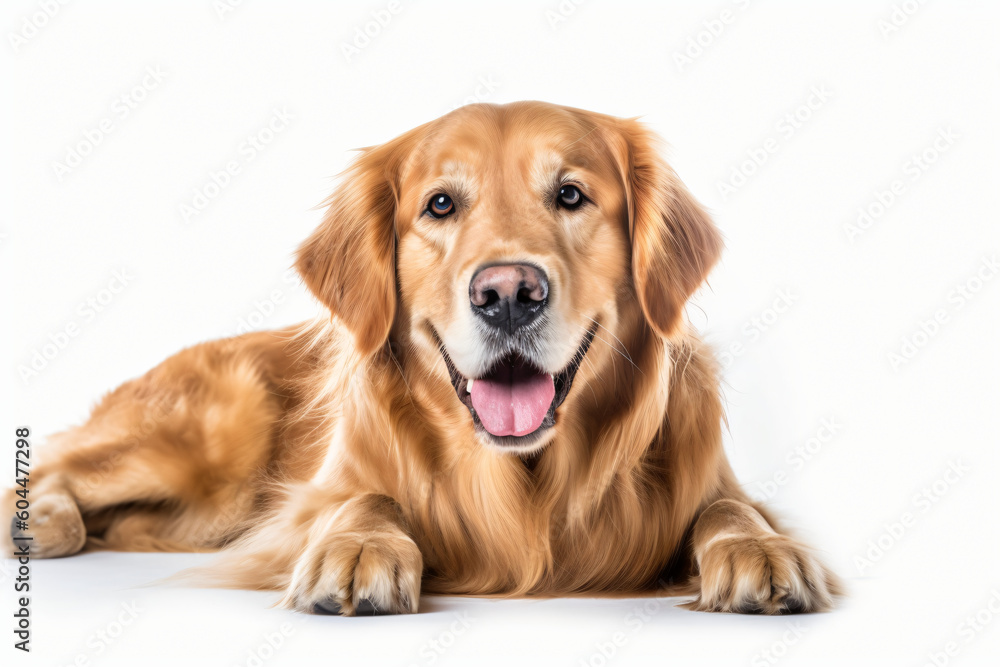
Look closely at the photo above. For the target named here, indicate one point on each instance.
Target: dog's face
(502, 239)
(511, 247)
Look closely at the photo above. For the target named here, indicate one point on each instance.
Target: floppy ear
(674, 242)
(349, 261)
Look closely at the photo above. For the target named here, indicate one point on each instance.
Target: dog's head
(501, 240)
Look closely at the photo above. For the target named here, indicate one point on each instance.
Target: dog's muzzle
(514, 402)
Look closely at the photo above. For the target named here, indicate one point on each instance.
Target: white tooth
(468, 386)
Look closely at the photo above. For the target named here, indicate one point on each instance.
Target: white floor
(106, 609)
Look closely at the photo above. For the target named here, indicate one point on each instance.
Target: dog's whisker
(624, 348)
(614, 348)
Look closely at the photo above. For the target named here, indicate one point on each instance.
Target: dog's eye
(440, 206)
(570, 197)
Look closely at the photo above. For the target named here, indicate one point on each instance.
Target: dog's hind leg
(175, 459)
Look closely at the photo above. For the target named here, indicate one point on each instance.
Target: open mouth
(515, 401)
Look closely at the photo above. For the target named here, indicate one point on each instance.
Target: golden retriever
(503, 397)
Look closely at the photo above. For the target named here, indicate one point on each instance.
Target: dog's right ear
(349, 262)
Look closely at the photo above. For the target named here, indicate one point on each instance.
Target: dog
(502, 397)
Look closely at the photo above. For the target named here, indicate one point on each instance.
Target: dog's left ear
(349, 262)
(674, 241)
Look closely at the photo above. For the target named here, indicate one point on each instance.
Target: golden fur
(334, 462)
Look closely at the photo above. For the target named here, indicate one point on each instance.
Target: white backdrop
(161, 163)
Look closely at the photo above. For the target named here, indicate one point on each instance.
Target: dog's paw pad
(329, 607)
(367, 607)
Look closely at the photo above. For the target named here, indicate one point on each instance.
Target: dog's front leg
(359, 560)
(747, 567)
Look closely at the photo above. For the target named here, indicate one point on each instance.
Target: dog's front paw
(766, 574)
(356, 574)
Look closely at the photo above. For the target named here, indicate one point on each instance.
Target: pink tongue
(514, 401)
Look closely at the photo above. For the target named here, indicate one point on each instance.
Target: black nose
(510, 296)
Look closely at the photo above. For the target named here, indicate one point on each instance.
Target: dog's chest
(516, 544)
